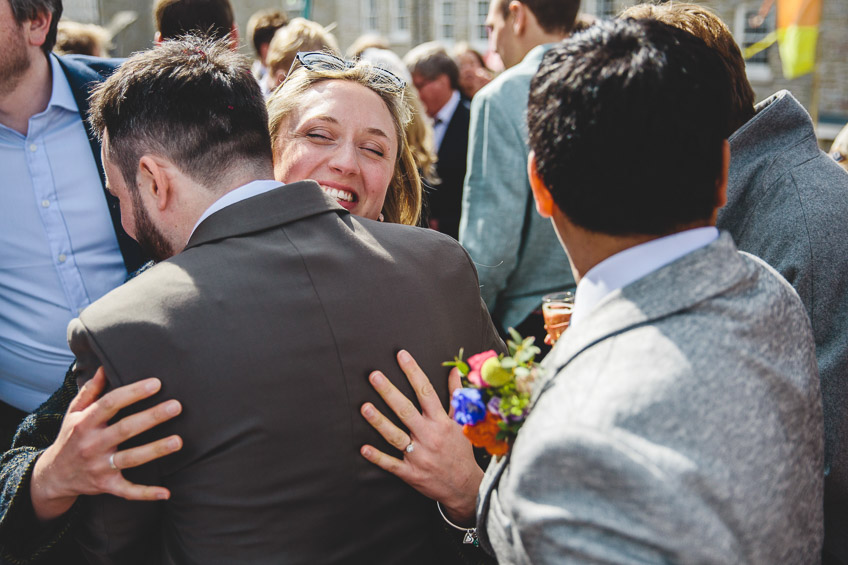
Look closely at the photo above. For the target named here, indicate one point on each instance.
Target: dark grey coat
(787, 203)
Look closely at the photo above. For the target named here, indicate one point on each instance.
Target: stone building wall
(348, 16)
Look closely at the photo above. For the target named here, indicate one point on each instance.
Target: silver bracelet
(470, 537)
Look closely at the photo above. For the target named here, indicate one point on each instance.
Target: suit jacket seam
(809, 246)
(329, 326)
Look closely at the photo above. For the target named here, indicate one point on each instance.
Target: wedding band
(411, 447)
(112, 462)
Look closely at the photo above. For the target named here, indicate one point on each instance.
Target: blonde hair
(403, 197)
(82, 39)
(299, 35)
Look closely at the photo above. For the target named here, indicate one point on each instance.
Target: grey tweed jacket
(787, 203)
(679, 423)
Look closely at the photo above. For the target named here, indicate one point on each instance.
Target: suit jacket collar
(702, 274)
(286, 204)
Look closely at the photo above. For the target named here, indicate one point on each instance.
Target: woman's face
(342, 136)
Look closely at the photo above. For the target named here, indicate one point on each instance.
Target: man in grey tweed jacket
(787, 202)
(680, 417)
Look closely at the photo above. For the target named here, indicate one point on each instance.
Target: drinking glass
(556, 309)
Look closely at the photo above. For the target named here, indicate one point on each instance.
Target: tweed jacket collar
(700, 275)
(283, 205)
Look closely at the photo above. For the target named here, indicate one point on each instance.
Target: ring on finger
(411, 447)
(112, 462)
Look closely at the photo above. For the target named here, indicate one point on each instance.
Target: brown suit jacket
(266, 327)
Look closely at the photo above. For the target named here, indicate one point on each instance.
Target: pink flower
(475, 362)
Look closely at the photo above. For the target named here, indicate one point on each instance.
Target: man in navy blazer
(436, 77)
(63, 245)
(60, 234)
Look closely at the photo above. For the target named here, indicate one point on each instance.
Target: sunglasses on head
(318, 60)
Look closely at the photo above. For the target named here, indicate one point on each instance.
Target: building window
(369, 16)
(749, 30)
(600, 8)
(478, 33)
(605, 8)
(446, 20)
(400, 20)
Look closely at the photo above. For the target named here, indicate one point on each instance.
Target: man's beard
(152, 242)
(14, 63)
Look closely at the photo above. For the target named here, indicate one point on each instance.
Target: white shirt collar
(243, 192)
(443, 118)
(446, 113)
(632, 264)
(61, 95)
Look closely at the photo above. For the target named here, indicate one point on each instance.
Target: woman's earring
(381, 217)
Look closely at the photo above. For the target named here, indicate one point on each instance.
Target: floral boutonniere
(492, 405)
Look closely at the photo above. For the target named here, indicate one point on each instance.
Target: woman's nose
(344, 159)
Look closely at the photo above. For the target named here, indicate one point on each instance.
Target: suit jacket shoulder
(266, 328)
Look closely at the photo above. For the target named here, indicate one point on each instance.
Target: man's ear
(157, 38)
(721, 182)
(519, 17)
(155, 182)
(234, 37)
(38, 27)
(545, 204)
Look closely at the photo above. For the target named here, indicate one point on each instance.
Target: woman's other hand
(441, 463)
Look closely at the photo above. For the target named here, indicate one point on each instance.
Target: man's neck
(586, 249)
(535, 37)
(30, 96)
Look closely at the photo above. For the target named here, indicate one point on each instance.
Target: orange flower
(484, 434)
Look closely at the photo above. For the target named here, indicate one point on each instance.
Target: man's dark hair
(705, 24)
(193, 101)
(24, 10)
(554, 16)
(262, 26)
(431, 60)
(178, 17)
(627, 120)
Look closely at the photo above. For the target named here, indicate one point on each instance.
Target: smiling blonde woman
(341, 123)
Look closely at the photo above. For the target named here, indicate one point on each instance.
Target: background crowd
(328, 227)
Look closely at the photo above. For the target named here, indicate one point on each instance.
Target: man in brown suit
(265, 325)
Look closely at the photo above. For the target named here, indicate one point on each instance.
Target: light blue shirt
(58, 249)
(632, 264)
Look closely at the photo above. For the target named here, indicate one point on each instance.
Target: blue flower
(468, 406)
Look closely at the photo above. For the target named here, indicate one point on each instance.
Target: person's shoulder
(391, 232)
(513, 80)
(143, 298)
(86, 64)
(423, 244)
